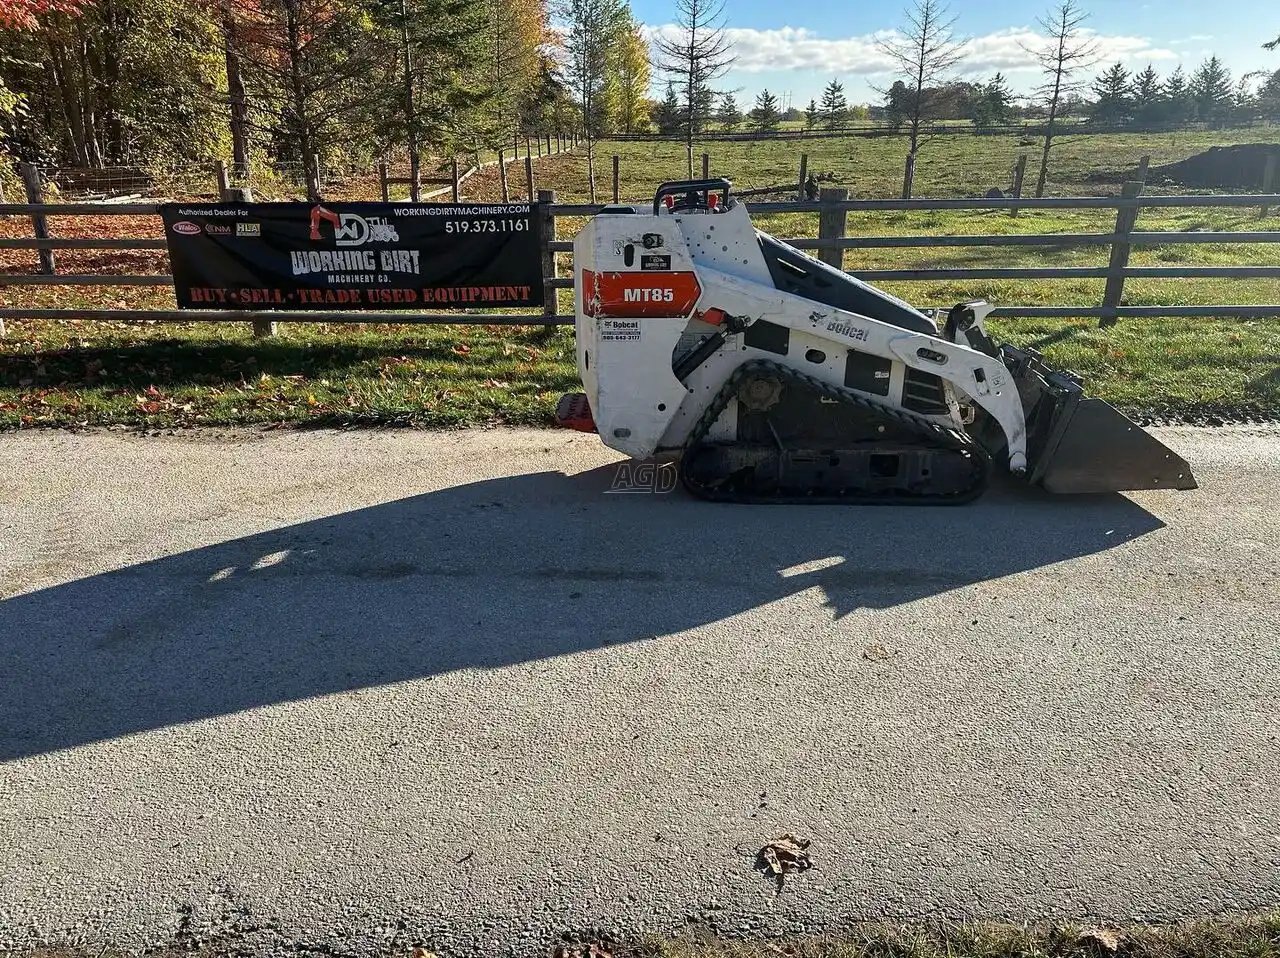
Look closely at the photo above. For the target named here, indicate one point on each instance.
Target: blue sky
(795, 48)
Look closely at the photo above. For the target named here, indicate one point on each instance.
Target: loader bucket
(1077, 444)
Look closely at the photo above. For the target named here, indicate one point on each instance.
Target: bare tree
(695, 58)
(1068, 50)
(588, 36)
(924, 50)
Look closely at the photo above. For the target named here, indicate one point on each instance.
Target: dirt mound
(1238, 167)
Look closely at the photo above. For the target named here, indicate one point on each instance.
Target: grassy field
(163, 376)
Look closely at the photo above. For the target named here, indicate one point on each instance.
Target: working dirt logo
(351, 229)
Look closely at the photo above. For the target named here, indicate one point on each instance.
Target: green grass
(218, 375)
(161, 376)
(961, 164)
(215, 375)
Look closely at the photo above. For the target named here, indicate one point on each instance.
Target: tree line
(279, 82)
(282, 82)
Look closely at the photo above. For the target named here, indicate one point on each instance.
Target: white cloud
(799, 49)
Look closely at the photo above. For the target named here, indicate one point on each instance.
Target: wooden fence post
(804, 175)
(831, 223)
(382, 178)
(1126, 217)
(616, 183)
(39, 225)
(706, 166)
(261, 327)
(1019, 174)
(548, 144)
(528, 150)
(457, 185)
(1143, 162)
(502, 176)
(1269, 178)
(528, 175)
(549, 304)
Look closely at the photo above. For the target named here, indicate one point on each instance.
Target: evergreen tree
(834, 105)
(992, 103)
(1148, 97)
(436, 98)
(1114, 105)
(667, 114)
(811, 115)
(765, 116)
(1177, 104)
(1211, 92)
(1269, 98)
(728, 116)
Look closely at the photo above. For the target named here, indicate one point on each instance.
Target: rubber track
(938, 436)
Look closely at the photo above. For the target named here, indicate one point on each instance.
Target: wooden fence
(832, 207)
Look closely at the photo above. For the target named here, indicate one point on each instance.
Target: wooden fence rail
(830, 244)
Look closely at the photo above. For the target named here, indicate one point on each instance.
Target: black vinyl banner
(339, 256)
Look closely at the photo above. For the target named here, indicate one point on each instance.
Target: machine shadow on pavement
(480, 576)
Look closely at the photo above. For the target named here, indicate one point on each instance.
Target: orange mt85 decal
(633, 295)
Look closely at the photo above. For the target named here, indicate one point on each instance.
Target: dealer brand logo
(248, 229)
(186, 227)
(350, 229)
(217, 229)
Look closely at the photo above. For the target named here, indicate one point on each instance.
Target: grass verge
(157, 377)
(1235, 937)
(1224, 937)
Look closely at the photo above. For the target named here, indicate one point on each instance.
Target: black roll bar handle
(676, 187)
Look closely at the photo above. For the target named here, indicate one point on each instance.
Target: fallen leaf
(876, 652)
(784, 855)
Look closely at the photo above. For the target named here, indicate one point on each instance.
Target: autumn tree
(694, 58)
(923, 52)
(113, 81)
(320, 71)
(511, 42)
(631, 75)
(1068, 50)
(589, 33)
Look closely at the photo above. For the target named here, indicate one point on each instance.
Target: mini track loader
(774, 377)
